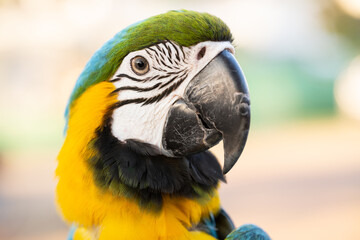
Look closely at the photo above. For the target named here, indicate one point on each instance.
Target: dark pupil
(140, 64)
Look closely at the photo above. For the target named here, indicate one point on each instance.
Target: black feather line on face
(136, 89)
(164, 64)
(182, 78)
(146, 101)
(183, 53)
(169, 50)
(162, 76)
(123, 75)
(156, 53)
(164, 94)
(159, 69)
(175, 47)
(168, 82)
(136, 170)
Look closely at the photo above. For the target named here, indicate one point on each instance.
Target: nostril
(242, 105)
(201, 53)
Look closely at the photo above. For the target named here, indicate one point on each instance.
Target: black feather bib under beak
(137, 171)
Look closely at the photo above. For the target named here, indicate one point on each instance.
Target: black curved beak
(216, 106)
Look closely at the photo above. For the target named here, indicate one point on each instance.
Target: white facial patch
(144, 100)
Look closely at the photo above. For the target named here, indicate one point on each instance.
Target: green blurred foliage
(285, 90)
(37, 132)
(342, 24)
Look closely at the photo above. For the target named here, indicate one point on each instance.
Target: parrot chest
(174, 221)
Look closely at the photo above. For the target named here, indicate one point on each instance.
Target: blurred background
(299, 176)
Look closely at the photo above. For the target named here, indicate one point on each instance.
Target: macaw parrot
(144, 112)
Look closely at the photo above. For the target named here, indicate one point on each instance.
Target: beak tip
(228, 164)
(226, 169)
(233, 149)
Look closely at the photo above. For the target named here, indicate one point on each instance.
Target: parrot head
(153, 100)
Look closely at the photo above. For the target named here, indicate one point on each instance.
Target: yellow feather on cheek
(77, 194)
(84, 203)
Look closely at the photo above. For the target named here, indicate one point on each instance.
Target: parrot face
(148, 84)
(142, 115)
(172, 104)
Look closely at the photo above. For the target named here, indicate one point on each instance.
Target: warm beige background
(299, 176)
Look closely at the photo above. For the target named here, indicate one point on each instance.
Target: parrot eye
(139, 65)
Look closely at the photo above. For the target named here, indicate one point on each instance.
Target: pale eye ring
(139, 65)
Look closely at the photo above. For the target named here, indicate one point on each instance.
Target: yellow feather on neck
(97, 212)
